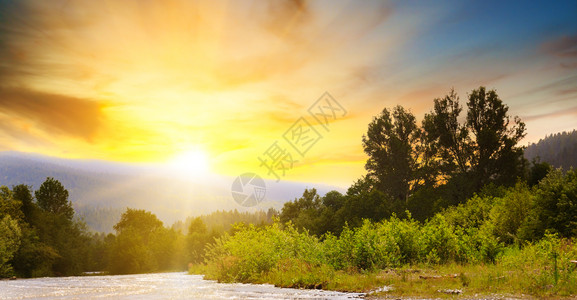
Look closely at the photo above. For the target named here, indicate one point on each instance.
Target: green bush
(253, 251)
(389, 243)
(510, 212)
(440, 243)
(554, 207)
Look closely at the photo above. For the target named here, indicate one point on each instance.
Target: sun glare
(192, 162)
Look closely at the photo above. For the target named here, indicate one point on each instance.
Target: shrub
(252, 251)
(440, 241)
(554, 208)
(510, 212)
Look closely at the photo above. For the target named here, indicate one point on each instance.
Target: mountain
(559, 150)
(101, 190)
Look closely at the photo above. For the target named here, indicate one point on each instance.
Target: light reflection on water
(151, 286)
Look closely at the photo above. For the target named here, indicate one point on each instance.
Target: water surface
(151, 286)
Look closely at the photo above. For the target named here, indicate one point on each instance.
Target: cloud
(552, 115)
(569, 65)
(61, 114)
(565, 46)
(284, 18)
(564, 49)
(560, 86)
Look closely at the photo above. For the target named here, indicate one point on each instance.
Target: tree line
(423, 169)
(40, 235)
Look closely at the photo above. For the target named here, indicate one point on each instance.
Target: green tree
(53, 197)
(330, 217)
(144, 222)
(23, 194)
(371, 205)
(10, 235)
(56, 229)
(141, 245)
(538, 171)
(196, 240)
(34, 258)
(303, 211)
(9, 206)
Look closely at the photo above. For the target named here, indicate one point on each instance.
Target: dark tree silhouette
(391, 143)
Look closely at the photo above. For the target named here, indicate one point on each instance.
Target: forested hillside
(41, 235)
(558, 149)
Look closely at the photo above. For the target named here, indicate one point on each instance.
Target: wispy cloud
(572, 112)
(57, 113)
(565, 46)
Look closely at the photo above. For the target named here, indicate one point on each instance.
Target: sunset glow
(134, 81)
(191, 163)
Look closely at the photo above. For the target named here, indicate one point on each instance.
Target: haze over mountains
(101, 190)
(559, 150)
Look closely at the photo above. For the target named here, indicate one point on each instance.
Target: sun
(191, 163)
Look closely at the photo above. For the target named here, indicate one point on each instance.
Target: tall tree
(391, 143)
(447, 159)
(495, 154)
(23, 194)
(196, 240)
(449, 138)
(53, 197)
(480, 150)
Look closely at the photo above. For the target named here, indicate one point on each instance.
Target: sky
(224, 86)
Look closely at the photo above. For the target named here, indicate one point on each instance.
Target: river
(151, 286)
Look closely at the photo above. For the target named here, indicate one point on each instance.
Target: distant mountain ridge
(99, 189)
(559, 150)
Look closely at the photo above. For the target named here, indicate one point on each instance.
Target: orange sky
(146, 81)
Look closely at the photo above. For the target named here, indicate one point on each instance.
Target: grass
(477, 281)
(480, 280)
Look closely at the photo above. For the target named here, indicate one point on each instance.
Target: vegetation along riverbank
(448, 207)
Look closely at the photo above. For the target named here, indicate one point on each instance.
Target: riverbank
(484, 281)
(421, 261)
